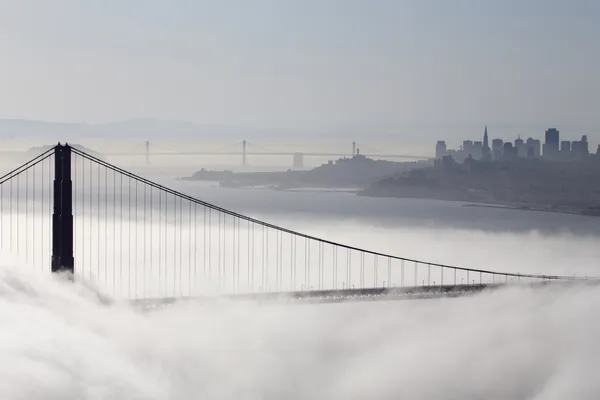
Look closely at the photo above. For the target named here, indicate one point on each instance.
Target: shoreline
(580, 212)
(366, 193)
(489, 204)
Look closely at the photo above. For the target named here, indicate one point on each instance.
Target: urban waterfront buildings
(552, 149)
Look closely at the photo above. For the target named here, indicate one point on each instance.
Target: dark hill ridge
(572, 186)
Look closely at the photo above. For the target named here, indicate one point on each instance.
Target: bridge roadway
(371, 294)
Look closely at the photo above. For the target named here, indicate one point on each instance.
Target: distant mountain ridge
(158, 129)
(42, 149)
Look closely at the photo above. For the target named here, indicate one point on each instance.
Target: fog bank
(60, 341)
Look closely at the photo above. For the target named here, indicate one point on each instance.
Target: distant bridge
(135, 239)
(242, 150)
(255, 153)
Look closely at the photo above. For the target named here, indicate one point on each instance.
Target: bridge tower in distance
(353, 149)
(147, 152)
(298, 160)
(244, 160)
(62, 217)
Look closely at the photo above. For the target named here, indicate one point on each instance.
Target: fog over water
(60, 341)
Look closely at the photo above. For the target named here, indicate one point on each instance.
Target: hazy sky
(304, 63)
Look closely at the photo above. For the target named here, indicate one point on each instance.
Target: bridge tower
(298, 160)
(353, 149)
(244, 160)
(147, 152)
(62, 217)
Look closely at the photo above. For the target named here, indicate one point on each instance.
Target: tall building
(468, 147)
(485, 150)
(580, 148)
(477, 151)
(510, 152)
(551, 143)
(440, 149)
(534, 146)
(585, 149)
(565, 147)
(497, 148)
(530, 153)
(520, 146)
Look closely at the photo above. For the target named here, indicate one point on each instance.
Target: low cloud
(60, 341)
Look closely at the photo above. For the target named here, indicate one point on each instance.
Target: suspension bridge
(245, 149)
(132, 238)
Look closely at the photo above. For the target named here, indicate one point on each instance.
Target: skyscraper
(477, 151)
(520, 146)
(552, 142)
(468, 147)
(585, 150)
(485, 151)
(535, 145)
(440, 149)
(510, 152)
(580, 148)
(497, 148)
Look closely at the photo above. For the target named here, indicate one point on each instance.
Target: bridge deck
(371, 294)
(331, 296)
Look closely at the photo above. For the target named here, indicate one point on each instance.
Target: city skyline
(550, 148)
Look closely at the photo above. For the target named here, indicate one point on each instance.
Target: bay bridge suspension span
(132, 238)
(245, 149)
